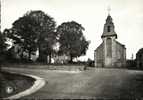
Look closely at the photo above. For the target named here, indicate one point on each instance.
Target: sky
(127, 17)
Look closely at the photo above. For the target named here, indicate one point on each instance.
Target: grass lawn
(15, 82)
(97, 83)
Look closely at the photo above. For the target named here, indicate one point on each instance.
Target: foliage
(90, 63)
(3, 46)
(45, 32)
(2, 43)
(139, 59)
(131, 64)
(140, 51)
(71, 39)
(22, 35)
(34, 31)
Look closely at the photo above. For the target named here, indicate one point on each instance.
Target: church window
(109, 47)
(108, 28)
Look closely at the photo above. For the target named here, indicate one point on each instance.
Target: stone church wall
(120, 55)
(99, 56)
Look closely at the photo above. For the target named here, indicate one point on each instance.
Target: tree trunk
(21, 56)
(71, 59)
(50, 57)
(29, 55)
(0, 68)
(42, 57)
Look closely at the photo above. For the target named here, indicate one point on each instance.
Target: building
(60, 59)
(139, 59)
(110, 53)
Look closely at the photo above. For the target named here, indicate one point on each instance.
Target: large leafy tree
(46, 34)
(3, 46)
(2, 43)
(2, 49)
(17, 42)
(71, 39)
(23, 34)
(35, 31)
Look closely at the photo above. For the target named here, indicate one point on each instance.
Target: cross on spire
(109, 10)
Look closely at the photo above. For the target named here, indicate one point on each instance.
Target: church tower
(109, 28)
(109, 35)
(110, 53)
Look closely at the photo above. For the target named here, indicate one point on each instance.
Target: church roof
(121, 44)
(100, 46)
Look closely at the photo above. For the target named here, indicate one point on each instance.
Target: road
(91, 84)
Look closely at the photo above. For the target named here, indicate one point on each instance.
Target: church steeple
(109, 28)
(110, 53)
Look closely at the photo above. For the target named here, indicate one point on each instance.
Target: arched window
(108, 28)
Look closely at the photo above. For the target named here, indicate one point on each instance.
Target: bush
(131, 64)
(90, 63)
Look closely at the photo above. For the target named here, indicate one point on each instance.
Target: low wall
(66, 67)
(49, 67)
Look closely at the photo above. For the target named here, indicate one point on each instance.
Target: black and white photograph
(71, 49)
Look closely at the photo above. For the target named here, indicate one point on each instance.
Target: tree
(2, 49)
(3, 46)
(16, 41)
(2, 43)
(35, 31)
(23, 34)
(139, 59)
(46, 34)
(71, 39)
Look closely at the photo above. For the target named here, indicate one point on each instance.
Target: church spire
(109, 27)
(109, 18)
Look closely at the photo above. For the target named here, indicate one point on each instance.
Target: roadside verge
(38, 84)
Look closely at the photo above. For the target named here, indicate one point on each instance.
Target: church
(110, 53)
